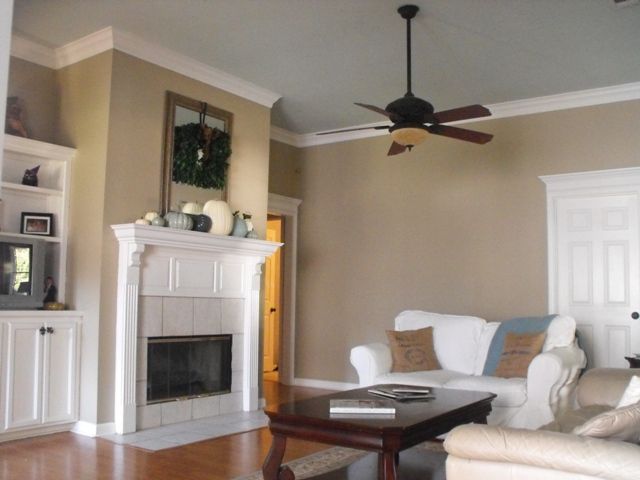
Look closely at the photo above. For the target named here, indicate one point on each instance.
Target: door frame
(287, 208)
(580, 184)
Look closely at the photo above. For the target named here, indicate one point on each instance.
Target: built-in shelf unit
(50, 196)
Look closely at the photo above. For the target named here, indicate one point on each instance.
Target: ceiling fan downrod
(408, 12)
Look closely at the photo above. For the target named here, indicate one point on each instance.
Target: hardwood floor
(71, 456)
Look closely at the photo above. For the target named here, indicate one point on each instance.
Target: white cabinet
(40, 361)
(50, 196)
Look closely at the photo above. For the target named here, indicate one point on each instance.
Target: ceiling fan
(413, 118)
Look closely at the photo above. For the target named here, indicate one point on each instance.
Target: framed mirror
(197, 147)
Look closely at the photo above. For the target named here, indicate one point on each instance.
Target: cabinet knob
(42, 330)
(50, 330)
(635, 315)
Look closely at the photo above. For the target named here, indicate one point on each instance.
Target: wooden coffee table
(414, 423)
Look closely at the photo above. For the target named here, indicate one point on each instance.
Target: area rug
(336, 458)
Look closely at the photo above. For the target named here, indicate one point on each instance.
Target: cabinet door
(60, 350)
(23, 359)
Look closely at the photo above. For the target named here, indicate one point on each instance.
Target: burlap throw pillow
(412, 350)
(518, 352)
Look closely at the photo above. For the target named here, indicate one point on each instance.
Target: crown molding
(33, 52)
(549, 103)
(110, 38)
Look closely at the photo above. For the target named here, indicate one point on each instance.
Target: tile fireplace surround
(173, 283)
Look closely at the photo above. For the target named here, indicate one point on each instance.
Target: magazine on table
(361, 406)
(403, 393)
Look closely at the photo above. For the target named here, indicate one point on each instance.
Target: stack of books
(369, 408)
(403, 393)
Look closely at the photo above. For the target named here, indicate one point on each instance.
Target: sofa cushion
(618, 423)
(518, 352)
(486, 336)
(456, 338)
(511, 392)
(515, 325)
(412, 350)
(432, 378)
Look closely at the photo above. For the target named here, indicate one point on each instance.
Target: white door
(23, 360)
(598, 274)
(59, 372)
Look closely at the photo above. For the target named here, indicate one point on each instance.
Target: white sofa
(461, 344)
(552, 453)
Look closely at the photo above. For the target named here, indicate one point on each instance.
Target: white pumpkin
(142, 221)
(221, 217)
(151, 216)
(192, 208)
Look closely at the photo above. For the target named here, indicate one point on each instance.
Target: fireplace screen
(183, 367)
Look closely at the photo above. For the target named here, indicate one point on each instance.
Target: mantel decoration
(197, 149)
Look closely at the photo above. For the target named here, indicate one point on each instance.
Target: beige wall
(451, 227)
(36, 87)
(284, 170)
(84, 91)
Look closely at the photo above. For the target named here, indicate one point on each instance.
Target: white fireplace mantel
(169, 262)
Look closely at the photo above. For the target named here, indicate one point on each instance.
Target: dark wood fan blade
(379, 127)
(396, 148)
(374, 108)
(460, 133)
(461, 113)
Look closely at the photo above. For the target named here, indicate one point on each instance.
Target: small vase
(239, 227)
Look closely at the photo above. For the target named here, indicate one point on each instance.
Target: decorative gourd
(142, 221)
(150, 216)
(239, 226)
(220, 214)
(202, 223)
(179, 220)
(252, 234)
(193, 208)
(158, 221)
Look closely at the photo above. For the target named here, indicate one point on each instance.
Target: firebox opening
(187, 367)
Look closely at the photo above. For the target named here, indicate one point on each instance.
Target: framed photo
(33, 223)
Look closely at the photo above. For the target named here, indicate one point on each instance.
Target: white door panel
(598, 270)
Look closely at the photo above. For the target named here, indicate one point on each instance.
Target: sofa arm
(472, 446)
(370, 361)
(552, 375)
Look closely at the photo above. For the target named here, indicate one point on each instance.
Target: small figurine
(31, 177)
(50, 291)
(14, 124)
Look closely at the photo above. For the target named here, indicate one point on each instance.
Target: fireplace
(188, 367)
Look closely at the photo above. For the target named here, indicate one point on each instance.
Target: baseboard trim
(89, 429)
(323, 384)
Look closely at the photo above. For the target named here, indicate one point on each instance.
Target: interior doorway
(273, 301)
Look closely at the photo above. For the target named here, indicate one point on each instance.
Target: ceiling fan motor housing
(409, 109)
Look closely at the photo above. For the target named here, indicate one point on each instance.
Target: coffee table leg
(387, 465)
(271, 469)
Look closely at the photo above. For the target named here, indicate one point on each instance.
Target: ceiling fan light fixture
(409, 136)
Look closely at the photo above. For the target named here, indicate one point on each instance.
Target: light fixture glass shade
(409, 136)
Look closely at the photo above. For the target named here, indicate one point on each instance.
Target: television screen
(16, 263)
(21, 272)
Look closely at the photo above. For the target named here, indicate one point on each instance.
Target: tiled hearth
(178, 316)
(174, 283)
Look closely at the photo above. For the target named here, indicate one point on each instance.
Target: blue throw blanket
(515, 325)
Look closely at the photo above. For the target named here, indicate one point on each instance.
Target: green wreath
(191, 166)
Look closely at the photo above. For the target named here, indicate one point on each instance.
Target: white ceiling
(322, 55)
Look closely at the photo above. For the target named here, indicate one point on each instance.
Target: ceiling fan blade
(461, 113)
(396, 148)
(379, 127)
(373, 108)
(460, 133)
